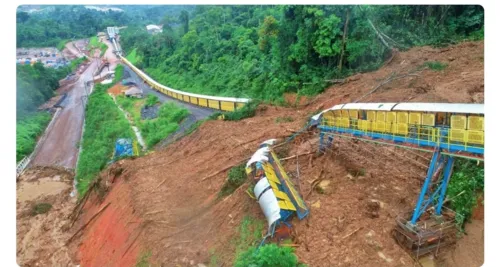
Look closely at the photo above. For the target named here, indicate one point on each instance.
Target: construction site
(356, 197)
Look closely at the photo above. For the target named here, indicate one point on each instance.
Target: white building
(154, 29)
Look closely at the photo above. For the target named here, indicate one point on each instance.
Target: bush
(132, 56)
(435, 65)
(151, 100)
(143, 260)
(247, 111)
(28, 128)
(118, 73)
(76, 62)
(40, 208)
(465, 186)
(61, 44)
(235, 178)
(267, 256)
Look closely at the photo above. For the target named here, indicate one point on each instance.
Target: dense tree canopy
(61, 23)
(264, 51)
(35, 85)
(258, 51)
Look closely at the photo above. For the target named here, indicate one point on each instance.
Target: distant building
(134, 91)
(154, 29)
(104, 9)
(112, 32)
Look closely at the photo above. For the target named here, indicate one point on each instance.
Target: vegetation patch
(151, 100)
(60, 46)
(132, 56)
(118, 73)
(35, 85)
(250, 234)
(132, 106)
(41, 208)
(247, 111)
(76, 62)
(94, 43)
(464, 189)
(153, 131)
(167, 122)
(104, 124)
(28, 128)
(143, 260)
(235, 178)
(269, 255)
(435, 65)
(283, 119)
(103, 47)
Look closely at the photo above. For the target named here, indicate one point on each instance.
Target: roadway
(198, 112)
(60, 147)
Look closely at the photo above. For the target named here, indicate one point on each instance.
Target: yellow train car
(219, 103)
(437, 122)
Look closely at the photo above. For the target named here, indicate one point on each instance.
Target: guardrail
(214, 102)
(27, 160)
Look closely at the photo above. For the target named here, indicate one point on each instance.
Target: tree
(184, 19)
(22, 17)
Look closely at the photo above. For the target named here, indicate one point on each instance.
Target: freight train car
(454, 127)
(214, 102)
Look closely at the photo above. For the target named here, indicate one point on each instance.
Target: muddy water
(427, 261)
(43, 187)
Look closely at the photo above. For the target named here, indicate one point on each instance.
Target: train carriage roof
(217, 98)
(467, 108)
(441, 107)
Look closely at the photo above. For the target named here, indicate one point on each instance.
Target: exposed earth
(166, 204)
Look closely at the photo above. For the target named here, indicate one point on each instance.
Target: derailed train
(450, 126)
(214, 102)
(274, 191)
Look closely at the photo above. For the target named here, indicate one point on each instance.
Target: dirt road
(60, 147)
(110, 56)
(77, 51)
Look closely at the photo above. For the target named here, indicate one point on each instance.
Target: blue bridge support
(433, 192)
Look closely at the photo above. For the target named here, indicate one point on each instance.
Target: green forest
(55, 25)
(58, 24)
(264, 51)
(35, 85)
